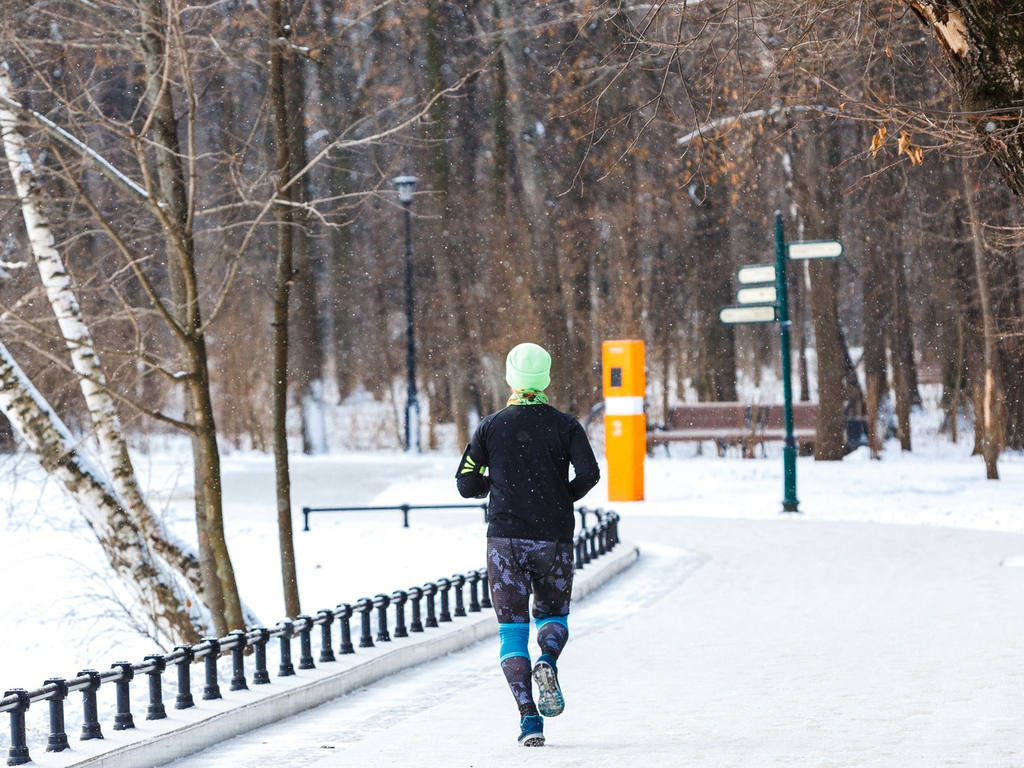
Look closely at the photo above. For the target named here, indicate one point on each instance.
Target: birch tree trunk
(145, 577)
(76, 334)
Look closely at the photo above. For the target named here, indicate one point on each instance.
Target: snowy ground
(60, 612)
(770, 642)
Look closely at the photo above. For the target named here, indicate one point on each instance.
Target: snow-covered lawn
(61, 610)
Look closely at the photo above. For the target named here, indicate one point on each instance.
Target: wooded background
(216, 179)
(556, 202)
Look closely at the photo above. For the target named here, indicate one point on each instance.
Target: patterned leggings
(514, 566)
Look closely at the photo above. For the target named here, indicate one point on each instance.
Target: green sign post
(760, 302)
(789, 500)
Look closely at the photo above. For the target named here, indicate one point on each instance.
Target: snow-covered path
(730, 643)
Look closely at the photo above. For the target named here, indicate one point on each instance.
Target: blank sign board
(747, 314)
(762, 294)
(815, 249)
(759, 273)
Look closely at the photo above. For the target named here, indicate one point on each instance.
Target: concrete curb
(198, 735)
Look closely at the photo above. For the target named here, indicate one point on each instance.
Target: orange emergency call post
(625, 425)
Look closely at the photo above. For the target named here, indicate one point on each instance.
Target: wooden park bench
(736, 424)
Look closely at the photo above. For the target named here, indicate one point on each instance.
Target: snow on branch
(731, 120)
(69, 139)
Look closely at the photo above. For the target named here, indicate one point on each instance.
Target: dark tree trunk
(902, 347)
(985, 53)
(989, 394)
(532, 187)
(280, 60)
(307, 358)
(219, 585)
(876, 322)
(711, 272)
(448, 252)
(818, 193)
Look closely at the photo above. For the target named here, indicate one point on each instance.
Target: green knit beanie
(528, 366)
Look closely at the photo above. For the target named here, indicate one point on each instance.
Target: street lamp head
(406, 186)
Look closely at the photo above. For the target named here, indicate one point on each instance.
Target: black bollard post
(17, 753)
(473, 577)
(382, 602)
(90, 713)
(430, 588)
(184, 698)
(485, 589)
(415, 595)
(344, 613)
(58, 740)
(577, 543)
(583, 517)
(443, 585)
(259, 646)
(326, 618)
(593, 543)
(398, 599)
(238, 647)
(156, 709)
(211, 690)
(305, 642)
(364, 605)
(458, 580)
(123, 720)
(238, 661)
(286, 668)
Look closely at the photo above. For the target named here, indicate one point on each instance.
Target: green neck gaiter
(528, 397)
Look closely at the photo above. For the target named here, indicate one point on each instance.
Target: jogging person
(521, 456)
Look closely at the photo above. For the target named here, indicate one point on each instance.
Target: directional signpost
(763, 299)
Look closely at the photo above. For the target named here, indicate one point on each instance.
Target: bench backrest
(805, 416)
(709, 416)
(739, 416)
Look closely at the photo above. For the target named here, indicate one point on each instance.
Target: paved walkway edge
(202, 734)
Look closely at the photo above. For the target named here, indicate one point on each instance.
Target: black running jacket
(526, 451)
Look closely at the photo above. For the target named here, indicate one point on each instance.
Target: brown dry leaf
(904, 146)
(877, 141)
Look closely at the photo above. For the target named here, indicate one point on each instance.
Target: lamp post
(406, 186)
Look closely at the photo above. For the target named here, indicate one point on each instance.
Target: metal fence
(403, 508)
(434, 598)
